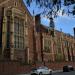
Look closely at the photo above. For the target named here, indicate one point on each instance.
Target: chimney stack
(37, 22)
(37, 19)
(74, 32)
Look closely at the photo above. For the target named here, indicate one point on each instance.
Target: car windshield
(34, 69)
(43, 67)
(69, 66)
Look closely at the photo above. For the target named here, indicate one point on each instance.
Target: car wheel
(40, 73)
(50, 73)
(33, 74)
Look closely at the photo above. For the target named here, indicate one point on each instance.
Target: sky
(65, 22)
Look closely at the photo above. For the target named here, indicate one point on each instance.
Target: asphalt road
(65, 73)
(58, 73)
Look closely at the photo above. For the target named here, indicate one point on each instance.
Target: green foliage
(74, 10)
(47, 4)
(51, 7)
(69, 2)
(28, 2)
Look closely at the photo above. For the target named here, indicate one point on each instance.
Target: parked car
(41, 70)
(68, 68)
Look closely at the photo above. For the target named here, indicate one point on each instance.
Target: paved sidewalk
(52, 72)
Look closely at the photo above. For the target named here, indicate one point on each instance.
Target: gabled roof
(2, 2)
(26, 8)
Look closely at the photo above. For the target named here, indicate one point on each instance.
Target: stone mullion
(71, 52)
(24, 33)
(54, 48)
(56, 41)
(25, 41)
(62, 48)
(12, 36)
(27, 51)
(52, 45)
(4, 32)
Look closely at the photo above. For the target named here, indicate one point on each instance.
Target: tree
(48, 5)
(69, 2)
(73, 10)
(51, 7)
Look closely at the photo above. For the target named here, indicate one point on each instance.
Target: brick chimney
(37, 23)
(37, 19)
(74, 32)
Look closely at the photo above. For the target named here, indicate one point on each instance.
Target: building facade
(14, 22)
(23, 38)
(54, 45)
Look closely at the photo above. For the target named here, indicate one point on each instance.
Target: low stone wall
(12, 68)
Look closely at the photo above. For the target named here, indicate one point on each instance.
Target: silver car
(41, 71)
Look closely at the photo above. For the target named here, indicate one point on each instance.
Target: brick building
(15, 20)
(53, 45)
(23, 38)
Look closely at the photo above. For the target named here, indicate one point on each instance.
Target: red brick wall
(30, 43)
(13, 68)
(17, 68)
